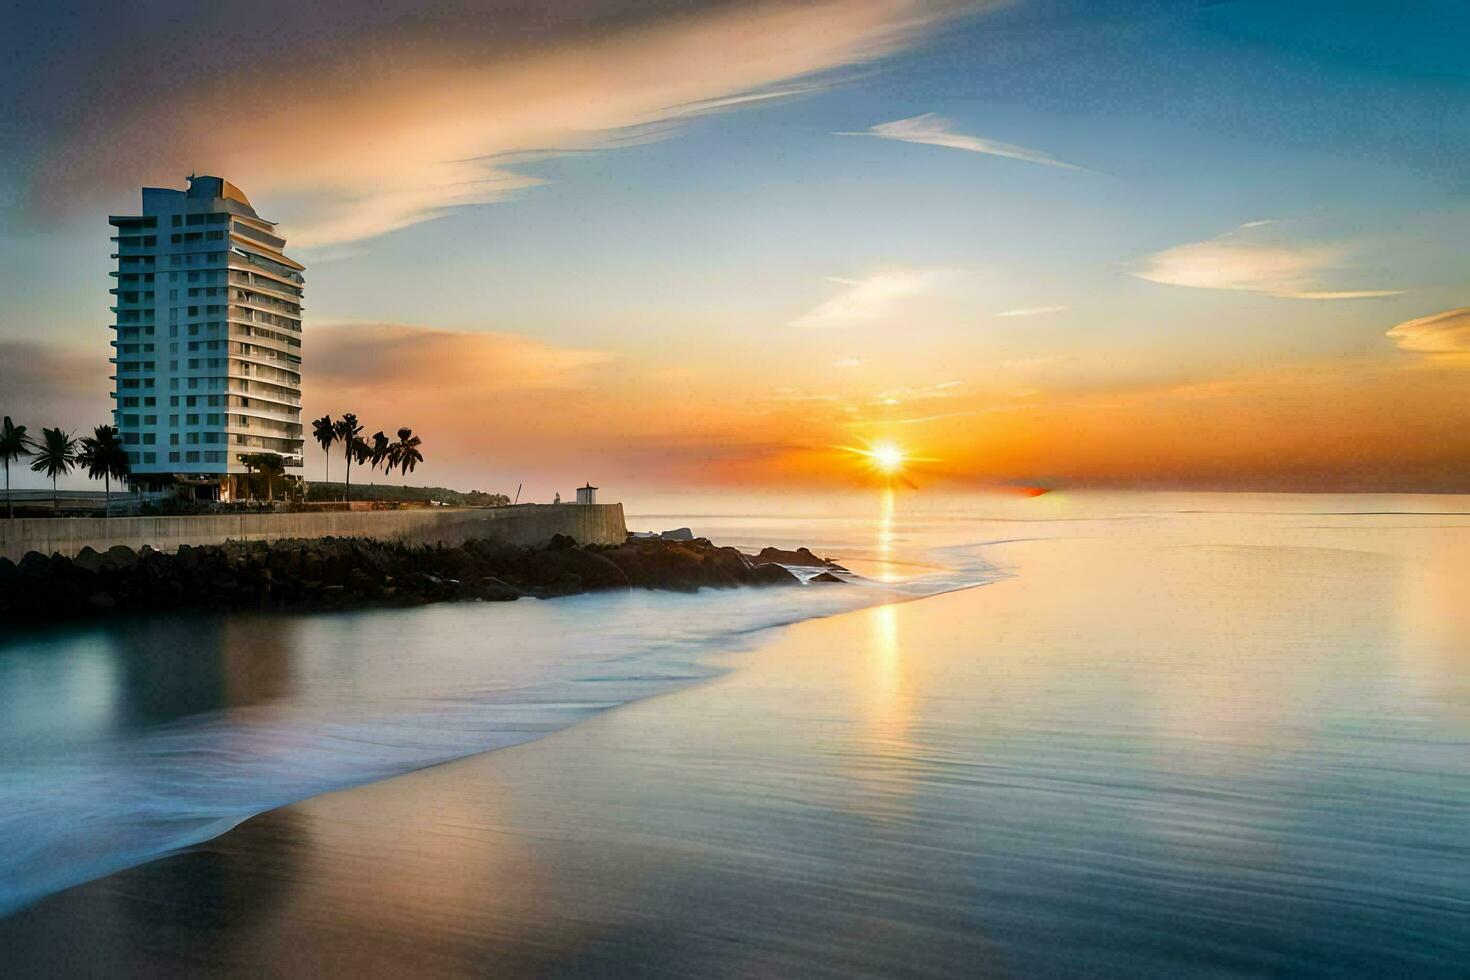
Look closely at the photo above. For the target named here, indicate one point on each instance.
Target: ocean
(1129, 734)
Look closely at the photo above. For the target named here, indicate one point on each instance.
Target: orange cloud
(442, 363)
(1440, 333)
(381, 133)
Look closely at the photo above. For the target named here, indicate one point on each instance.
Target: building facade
(208, 338)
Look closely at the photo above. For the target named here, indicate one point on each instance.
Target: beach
(1185, 733)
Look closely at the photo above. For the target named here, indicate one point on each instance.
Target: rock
(827, 577)
(119, 557)
(560, 542)
(334, 573)
(491, 589)
(677, 534)
(89, 559)
(772, 574)
(33, 563)
(801, 557)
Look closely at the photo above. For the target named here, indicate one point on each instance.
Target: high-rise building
(208, 345)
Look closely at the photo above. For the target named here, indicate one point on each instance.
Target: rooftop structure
(208, 343)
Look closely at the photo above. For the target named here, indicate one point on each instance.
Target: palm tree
(56, 454)
(14, 443)
(104, 457)
(381, 446)
(406, 452)
(348, 432)
(325, 433)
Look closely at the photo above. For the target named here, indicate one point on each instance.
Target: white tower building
(208, 345)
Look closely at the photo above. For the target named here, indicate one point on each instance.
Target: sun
(887, 458)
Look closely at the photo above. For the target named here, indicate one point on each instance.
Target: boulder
(677, 534)
(772, 574)
(89, 560)
(119, 557)
(801, 557)
(491, 589)
(827, 577)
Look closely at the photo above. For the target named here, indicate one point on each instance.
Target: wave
(367, 696)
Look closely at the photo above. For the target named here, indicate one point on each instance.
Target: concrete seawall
(531, 525)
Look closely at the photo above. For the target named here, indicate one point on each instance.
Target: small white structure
(587, 494)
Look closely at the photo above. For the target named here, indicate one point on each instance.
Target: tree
(381, 448)
(406, 452)
(324, 431)
(105, 459)
(348, 432)
(14, 443)
(56, 454)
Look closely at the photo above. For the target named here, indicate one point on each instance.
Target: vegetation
(319, 492)
(14, 443)
(405, 454)
(55, 454)
(105, 459)
(324, 431)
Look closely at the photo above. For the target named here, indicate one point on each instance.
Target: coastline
(316, 574)
(242, 743)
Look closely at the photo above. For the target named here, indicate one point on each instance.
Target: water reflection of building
(175, 667)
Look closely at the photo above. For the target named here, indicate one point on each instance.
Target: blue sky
(1232, 166)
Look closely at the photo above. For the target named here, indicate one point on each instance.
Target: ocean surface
(1117, 734)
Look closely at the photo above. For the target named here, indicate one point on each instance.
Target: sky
(658, 246)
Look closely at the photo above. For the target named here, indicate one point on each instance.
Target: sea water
(1286, 695)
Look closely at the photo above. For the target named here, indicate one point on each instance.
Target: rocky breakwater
(329, 573)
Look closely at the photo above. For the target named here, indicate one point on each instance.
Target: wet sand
(1138, 760)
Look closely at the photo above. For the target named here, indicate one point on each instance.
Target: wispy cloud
(897, 396)
(382, 356)
(1034, 311)
(878, 297)
(378, 128)
(1441, 333)
(1255, 257)
(933, 130)
(867, 423)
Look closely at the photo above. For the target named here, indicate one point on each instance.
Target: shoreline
(323, 574)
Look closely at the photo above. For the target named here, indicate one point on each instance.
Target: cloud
(366, 129)
(897, 396)
(1034, 311)
(1255, 258)
(876, 298)
(1441, 333)
(51, 385)
(389, 356)
(933, 130)
(848, 362)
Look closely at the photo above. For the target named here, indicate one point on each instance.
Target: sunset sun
(887, 458)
